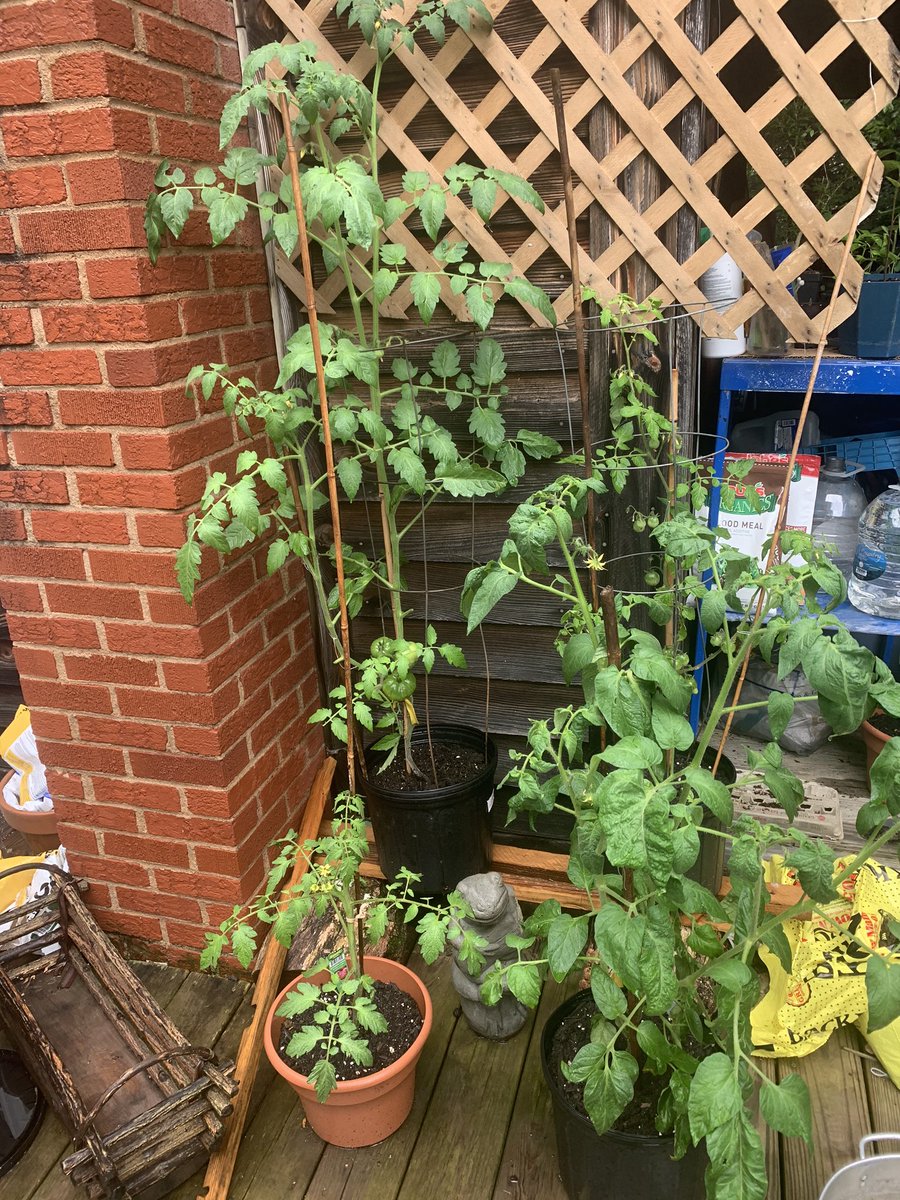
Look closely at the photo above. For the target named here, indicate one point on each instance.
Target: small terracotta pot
(875, 742)
(39, 828)
(360, 1112)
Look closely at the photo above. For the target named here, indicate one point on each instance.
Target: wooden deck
(480, 1128)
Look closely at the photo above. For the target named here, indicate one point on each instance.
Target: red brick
(160, 529)
(54, 631)
(78, 840)
(113, 177)
(247, 346)
(189, 140)
(136, 793)
(209, 802)
(104, 816)
(159, 364)
(91, 600)
(122, 566)
(189, 829)
(165, 640)
(194, 739)
(219, 311)
(77, 525)
(111, 669)
(137, 407)
(152, 902)
(211, 14)
(234, 269)
(211, 597)
(177, 44)
(204, 887)
(208, 99)
(192, 937)
(48, 368)
(33, 487)
(45, 134)
(20, 82)
(20, 597)
(146, 929)
(51, 725)
(15, 327)
(145, 849)
(79, 757)
(217, 860)
(40, 663)
(134, 275)
(122, 733)
(34, 281)
(111, 322)
(102, 73)
(182, 768)
(52, 22)
(43, 692)
(174, 706)
(55, 232)
(7, 241)
(169, 451)
(25, 408)
(113, 870)
(261, 669)
(231, 63)
(42, 562)
(12, 526)
(69, 449)
(31, 187)
(145, 490)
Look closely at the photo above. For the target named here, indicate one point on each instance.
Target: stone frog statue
(495, 913)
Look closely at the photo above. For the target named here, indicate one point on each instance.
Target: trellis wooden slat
(605, 78)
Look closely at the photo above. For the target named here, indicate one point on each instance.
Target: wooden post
(217, 1179)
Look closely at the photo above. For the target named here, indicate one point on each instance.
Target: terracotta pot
(875, 741)
(360, 1112)
(39, 828)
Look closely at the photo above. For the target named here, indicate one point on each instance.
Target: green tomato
(652, 578)
(652, 521)
(398, 690)
(639, 525)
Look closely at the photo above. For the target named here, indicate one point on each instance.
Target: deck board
(481, 1127)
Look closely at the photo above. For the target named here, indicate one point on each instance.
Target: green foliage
(384, 411)
(643, 790)
(342, 1013)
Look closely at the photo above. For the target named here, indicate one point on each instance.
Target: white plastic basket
(872, 1177)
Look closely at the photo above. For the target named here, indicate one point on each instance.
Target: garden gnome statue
(495, 913)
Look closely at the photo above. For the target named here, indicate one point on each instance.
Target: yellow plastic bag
(827, 984)
(19, 749)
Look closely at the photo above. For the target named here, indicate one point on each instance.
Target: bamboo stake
(587, 441)
(220, 1169)
(798, 435)
(313, 317)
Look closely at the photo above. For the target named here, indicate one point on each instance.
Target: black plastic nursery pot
(443, 833)
(873, 331)
(613, 1166)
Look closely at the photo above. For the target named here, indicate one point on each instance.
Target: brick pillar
(177, 736)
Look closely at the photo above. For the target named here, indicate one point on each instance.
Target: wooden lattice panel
(507, 122)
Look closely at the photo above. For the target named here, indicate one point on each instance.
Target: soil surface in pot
(575, 1031)
(454, 763)
(404, 1022)
(885, 723)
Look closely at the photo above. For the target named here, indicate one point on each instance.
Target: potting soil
(404, 1022)
(453, 763)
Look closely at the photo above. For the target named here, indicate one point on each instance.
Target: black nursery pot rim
(446, 735)
(554, 1021)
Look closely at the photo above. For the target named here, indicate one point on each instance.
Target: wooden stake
(313, 317)
(798, 435)
(220, 1169)
(586, 439)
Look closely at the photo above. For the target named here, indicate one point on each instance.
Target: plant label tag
(490, 803)
(338, 965)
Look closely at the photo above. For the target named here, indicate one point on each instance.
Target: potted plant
(876, 732)
(651, 1072)
(346, 1035)
(385, 411)
(873, 330)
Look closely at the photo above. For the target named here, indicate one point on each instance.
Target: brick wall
(177, 735)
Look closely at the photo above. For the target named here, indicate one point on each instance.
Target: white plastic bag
(28, 787)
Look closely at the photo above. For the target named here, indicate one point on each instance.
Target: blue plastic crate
(874, 451)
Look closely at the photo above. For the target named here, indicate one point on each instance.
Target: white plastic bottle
(722, 284)
(875, 583)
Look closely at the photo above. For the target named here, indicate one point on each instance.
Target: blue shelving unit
(838, 376)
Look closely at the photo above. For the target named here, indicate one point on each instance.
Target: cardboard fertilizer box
(750, 522)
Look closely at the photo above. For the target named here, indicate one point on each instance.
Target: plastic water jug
(722, 284)
(840, 502)
(875, 582)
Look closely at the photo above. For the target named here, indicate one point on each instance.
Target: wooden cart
(143, 1106)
